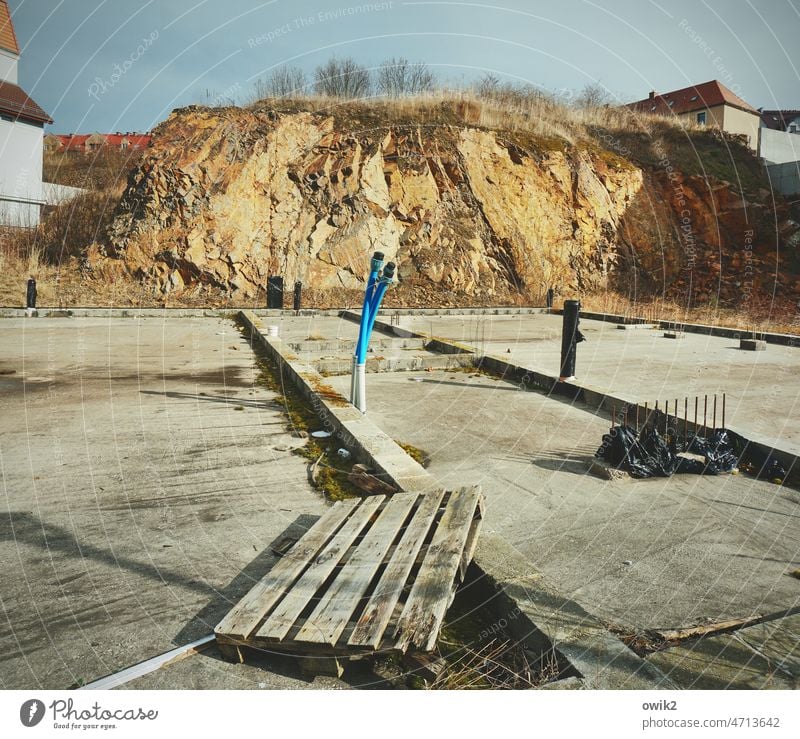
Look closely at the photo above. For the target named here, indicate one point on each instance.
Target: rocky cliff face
(227, 197)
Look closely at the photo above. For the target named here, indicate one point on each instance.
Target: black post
(30, 298)
(549, 297)
(298, 292)
(570, 336)
(275, 292)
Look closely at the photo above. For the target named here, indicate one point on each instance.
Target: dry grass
(758, 316)
(510, 109)
(496, 666)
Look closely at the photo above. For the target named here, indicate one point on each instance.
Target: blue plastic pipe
(375, 305)
(363, 334)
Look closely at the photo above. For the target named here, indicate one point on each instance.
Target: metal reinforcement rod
(696, 401)
(705, 413)
(686, 417)
(723, 410)
(714, 422)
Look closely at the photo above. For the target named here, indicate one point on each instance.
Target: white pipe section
(354, 382)
(361, 387)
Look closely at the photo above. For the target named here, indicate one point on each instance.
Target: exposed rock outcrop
(227, 197)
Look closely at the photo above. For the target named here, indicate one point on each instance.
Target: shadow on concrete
(20, 526)
(564, 462)
(753, 508)
(466, 385)
(273, 661)
(223, 399)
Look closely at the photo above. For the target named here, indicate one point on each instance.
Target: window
(701, 119)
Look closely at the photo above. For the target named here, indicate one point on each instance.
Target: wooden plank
(330, 617)
(472, 540)
(432, 591)
(376, 615)
(280, 621)
(247, 614)
(706, 629)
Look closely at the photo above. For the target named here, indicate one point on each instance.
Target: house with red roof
(21, 137)
(89, 142)
(707, 104)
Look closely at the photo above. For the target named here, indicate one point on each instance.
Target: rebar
(686, 417)
(705, 413)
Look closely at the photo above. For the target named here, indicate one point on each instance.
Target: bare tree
(398, 77)
(342, 78)
(488, 85)
(282, 82)
(593, 95)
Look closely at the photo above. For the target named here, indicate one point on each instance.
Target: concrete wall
(785, 178)
(20, 173)
(8, 67)
(55, 194)
(778, 147)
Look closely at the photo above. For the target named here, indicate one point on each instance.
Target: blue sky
(108, 65)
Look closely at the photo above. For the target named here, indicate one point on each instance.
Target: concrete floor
(762, 388)
(143, 478)
(697, 547)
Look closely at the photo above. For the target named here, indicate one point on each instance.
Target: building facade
(21, 137)
(707, 104)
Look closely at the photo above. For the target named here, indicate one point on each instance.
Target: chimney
(652, 94)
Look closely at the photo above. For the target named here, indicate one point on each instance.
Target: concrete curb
(598, 399)
(365, 441)
(104, 312)
(690, 328)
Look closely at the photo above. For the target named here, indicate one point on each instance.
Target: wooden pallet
(377, 573)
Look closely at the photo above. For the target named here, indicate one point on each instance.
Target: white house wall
(20, 173)
(779, 147)
(8, 67)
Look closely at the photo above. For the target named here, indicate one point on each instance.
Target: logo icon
(32, 712)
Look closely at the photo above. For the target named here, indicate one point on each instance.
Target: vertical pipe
(298, 292)
(569, 334)
(30, 294)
